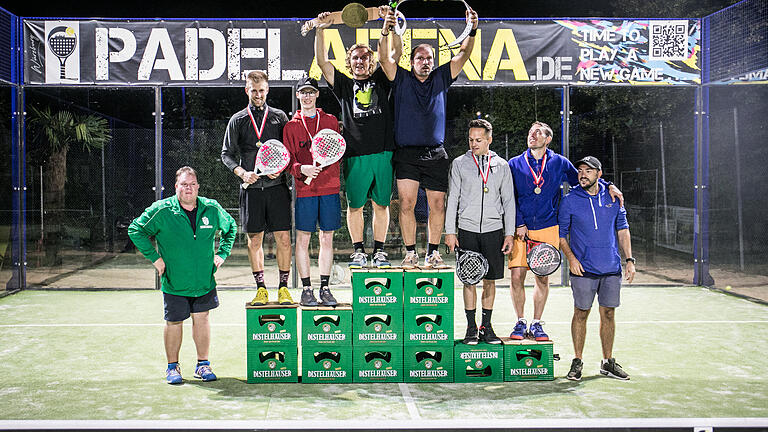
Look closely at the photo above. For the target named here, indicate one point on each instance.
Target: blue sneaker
(537, 332)
(518, 333)
(203, 371)
(173, 375)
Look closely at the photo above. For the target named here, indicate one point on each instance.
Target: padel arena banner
(222, 52)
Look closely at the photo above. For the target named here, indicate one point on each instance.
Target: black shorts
(267, 209)
(427, 165)
(178, 308)
(489, 245)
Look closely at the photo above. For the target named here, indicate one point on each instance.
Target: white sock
(534, 321)
(523, 320)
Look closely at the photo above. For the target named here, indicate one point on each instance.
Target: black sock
(258, 276)
(487, 317)
(200, 361)
(471, 317)
(431, 247)
(306, 282)
(324, 280)
(358, 246)
(410, 248)
(284, 277)
(377, 246)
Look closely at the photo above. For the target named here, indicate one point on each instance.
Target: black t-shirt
(192, 215)
(366, 112)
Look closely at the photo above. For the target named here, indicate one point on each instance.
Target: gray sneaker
(435, 261)
(308, 297)
(380, 260)
(326, 297)
(612, 369)
(411, 260)
(358, 260)
(575, 373)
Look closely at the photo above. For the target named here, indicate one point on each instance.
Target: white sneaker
(435, 261)
(411, 260)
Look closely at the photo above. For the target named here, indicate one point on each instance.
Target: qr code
(668, 40)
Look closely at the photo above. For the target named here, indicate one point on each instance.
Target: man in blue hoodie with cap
(598, 228)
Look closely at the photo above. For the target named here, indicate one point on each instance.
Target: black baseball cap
(591, 162)
(307, 83)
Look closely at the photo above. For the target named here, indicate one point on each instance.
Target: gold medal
(258, 144)
(485, 189)
(537, 190)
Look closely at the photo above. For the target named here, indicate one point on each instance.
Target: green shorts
(368, 176)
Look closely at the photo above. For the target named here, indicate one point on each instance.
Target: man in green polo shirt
(185, 227)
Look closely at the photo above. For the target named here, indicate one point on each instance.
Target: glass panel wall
(738, 228)
(644, 138)
(7, 141)
(90, 171)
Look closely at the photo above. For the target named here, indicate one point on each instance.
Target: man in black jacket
(266, 203)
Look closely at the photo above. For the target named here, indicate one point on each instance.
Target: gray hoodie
(478, 211)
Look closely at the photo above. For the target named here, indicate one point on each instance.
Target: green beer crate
(428, 289)
(528, 360)
(478, 363)
(271, 325)
(326, 326)
(326, 364)
(378, 364)
(272, 364)
(424, 326)
(428, 364)
(377, 289)
(377, 327)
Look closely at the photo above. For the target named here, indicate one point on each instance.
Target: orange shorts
(549, 235)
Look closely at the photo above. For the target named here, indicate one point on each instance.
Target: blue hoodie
(592, 222)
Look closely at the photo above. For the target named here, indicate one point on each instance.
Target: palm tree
(52, 133)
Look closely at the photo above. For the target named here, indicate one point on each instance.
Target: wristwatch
(630, 259)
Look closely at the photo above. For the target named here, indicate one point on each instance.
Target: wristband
(384, 34)
(630, 260)
(473, 32)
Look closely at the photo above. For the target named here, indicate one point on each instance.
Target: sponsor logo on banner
(62, 52)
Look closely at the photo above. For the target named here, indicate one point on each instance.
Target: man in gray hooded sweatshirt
(481, 204)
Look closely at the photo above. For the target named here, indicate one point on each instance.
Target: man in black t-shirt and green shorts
(366, 115)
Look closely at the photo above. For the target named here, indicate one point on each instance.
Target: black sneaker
(471, 337)
(308, 297)
(575, 373)
(326, 297)
(488, 336)
(612, 369)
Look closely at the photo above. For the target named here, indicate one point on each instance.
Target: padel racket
(354, 15)
(62, 42)
(543, 258)
(328, 146)
(471, 266)
(272, 158)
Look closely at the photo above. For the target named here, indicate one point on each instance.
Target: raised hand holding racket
(543, 258)
(327, 148)
(272, 158)
(354, 15)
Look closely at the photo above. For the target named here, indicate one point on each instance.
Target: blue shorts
(323, 211)
(178, 308)
(606, 287)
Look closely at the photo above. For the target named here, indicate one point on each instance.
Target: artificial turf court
(692, 353)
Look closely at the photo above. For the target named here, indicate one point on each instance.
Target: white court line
(408, 399)
(496, 323)
(452, 424)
